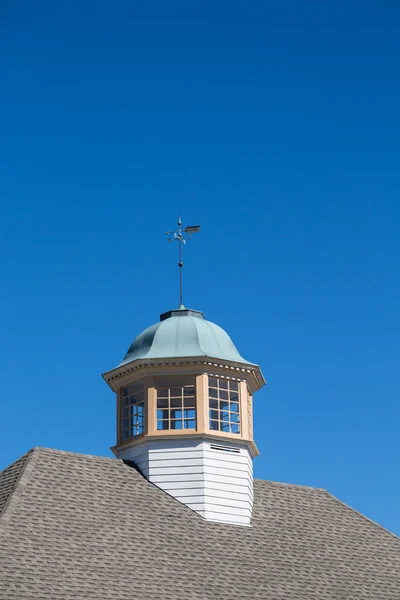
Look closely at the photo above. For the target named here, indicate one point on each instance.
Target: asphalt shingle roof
(77, 527)
(9, 478)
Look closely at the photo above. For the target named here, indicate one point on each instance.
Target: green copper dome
(183, 333)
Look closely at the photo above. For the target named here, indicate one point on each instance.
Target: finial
(181, 236)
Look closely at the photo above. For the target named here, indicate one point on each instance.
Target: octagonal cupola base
(211, 477)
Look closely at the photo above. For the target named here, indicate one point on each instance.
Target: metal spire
(181, 236)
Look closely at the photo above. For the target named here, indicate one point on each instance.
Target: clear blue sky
(276, 126)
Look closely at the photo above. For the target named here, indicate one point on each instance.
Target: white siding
(216, 483)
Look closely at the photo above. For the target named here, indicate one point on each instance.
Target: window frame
(221, 399)
(179, 409)
(136, 426)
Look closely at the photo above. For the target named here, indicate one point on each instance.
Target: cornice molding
(252, 373)
(218, 439)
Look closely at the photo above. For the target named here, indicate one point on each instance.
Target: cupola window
(132, 410)
(224, 405)
(176, 403)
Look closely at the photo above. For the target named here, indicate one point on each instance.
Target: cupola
(185, 414)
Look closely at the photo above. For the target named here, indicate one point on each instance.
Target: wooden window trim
(230, 387)
(175, 403)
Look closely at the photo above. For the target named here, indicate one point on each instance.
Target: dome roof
(183, 333)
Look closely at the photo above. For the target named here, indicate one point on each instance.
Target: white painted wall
(217, 484)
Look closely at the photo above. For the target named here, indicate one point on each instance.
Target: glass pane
(163, 425)
(189, 414)
(234, 385)
(223, 394)
(136, 387)
(126, 412)
(224, 426)
(126, 401)
(224, 405)
(214, 415)
(223, 384)
(213, 403)
(176, 424)
(125, 391)
(213, 393)
(162, 403)
(190, 424)
(189, 402)
(234, 407)
(213, 382)
(176, 414)
(214, 425)
(125, 434)
(235, 428)
(175, 392)
(189, 390)
(162, 393)
(234, 418)
(234, 396)
(176, 402)
(224, 416)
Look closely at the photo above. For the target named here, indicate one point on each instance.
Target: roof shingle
(91, 528)
(9, 478)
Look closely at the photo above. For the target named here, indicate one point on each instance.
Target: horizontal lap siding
(228, 486)
(215, 503)
(179, 471)
(139, 455)
(177, 485)
(160, 479)
(232, 520)
(215, 483)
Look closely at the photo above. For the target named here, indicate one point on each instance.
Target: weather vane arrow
(182, 236)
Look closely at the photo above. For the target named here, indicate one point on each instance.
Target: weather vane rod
(182, 236)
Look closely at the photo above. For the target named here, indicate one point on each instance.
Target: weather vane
(181, 236)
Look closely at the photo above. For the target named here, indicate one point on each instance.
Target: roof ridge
(348, 507)
(224, 356)
(70, 453)
(283, 483)
(197, 333)
(19, 485)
